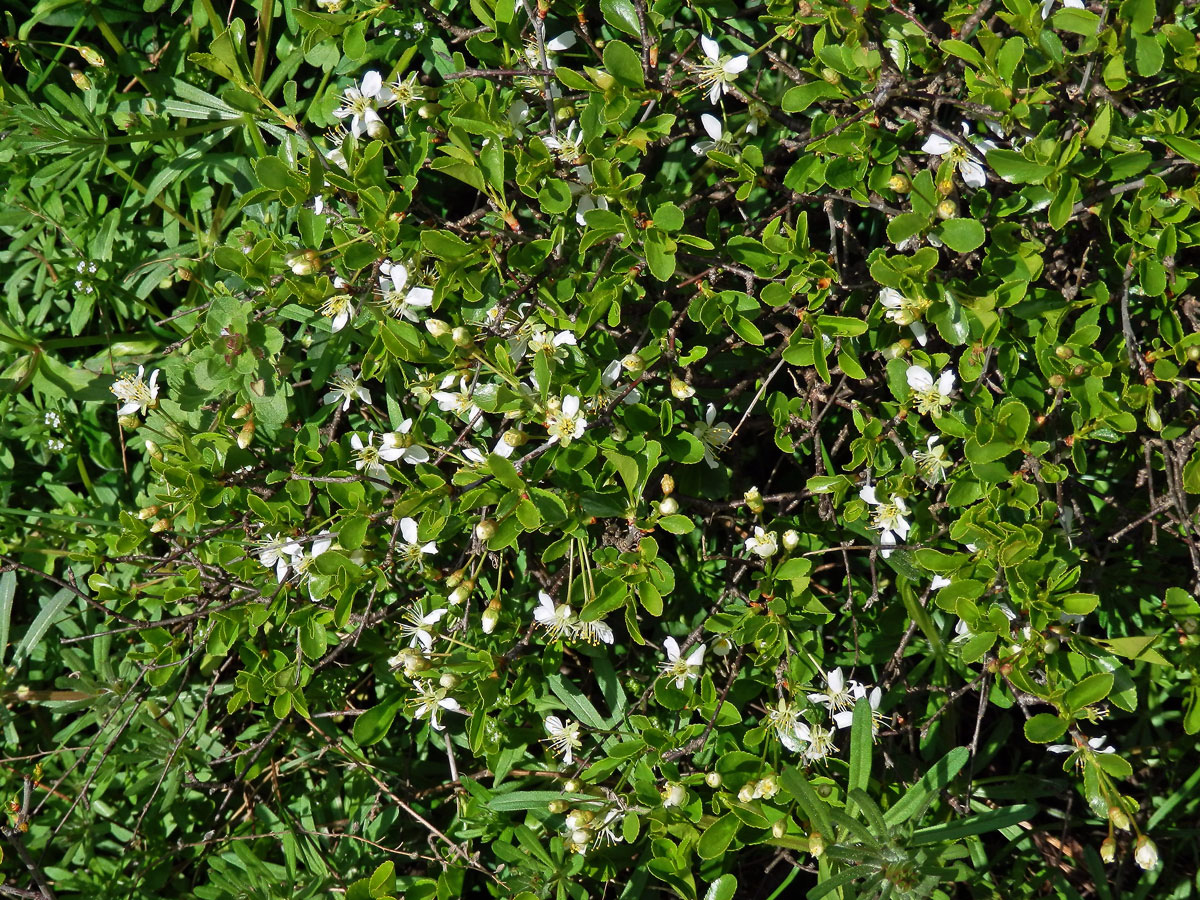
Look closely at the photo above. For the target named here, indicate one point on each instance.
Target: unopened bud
(634, 364)
(129, 423)
(900, 183)
(790, 539)
(754, 500)
(1108, 850)
(1056, 381)
(816, 844)
(160, 525)
(462, 337)
(1193, 353)
(449, 680)
(668, 485)
(301, 262)
(1118, 817)
(1062, 351)
(428, 110)
(485, 529)
(437, 327)
(454, 579)
(91, 57)
(376, 130)
(947, 209)
(713, 779)
(81, 81)
(148, 512)
(572, 786)
(779, 829)
(462, 592)
(153, 449)
(681, 390)
(674, 794)
(1145, 854)
(668, 506)
(246, 435)
(558, 807)
(242, 411)
(722, 646)
(1079, 371)
(491, 616)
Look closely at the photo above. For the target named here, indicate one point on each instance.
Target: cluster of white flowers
(361, 103)
(814, 740)
(561, 623)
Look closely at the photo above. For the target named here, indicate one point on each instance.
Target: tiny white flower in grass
(430, 701)
(888, 518)
(1096, 744)
(568, 144)
(398, 446)
(339, 309)
(360, 104)
(681, 668)
(764, 543)
(276, 552)
(972, 171)
(369, 460)
(933, 462)
(419, 626)
(134, 393)
(712, 435)
(714, 129)
(412, 550)
(719, 70)
(557, 619)
(398, 299)
(838, 693)
(563, 738)
(819, 740)
(903, 310)
(344, 388)
(565, 424)
(930, 396)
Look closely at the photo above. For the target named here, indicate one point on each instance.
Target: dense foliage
(557, 449)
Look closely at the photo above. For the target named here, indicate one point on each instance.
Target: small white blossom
(902, 310)
(277, 552)
(718, 71)
(973, 172)
(398, 299)
(713, 436)
(933, 462)
(413, 551)
(360, 104)
(784, 718)
(458, 402)
(419, 626)
(565, 424)
(1145, 853)
(398, 445)
(344, 387)
(564, 738)
(1048, 5)
(674, 794)
(715, 131)
(430, 701)
(888, 518)
(1096, 744)
(339, 309)
(567, 145)
(557, 619)
(680, 668)
(819, 740)
(931, 397)
(838, 693)
(845, 718)
(405, 93)
(764, 543)
(134, 393)
(608, 380)
(369, 459)
(587, 201)
(303, 560)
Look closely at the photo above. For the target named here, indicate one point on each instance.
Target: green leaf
(963, 235)
(803, 96)
(860, 746)
(622, 15)
(623, 64)
(962, 50)
(932, 783)
(796, 783)
(1138, 647)
(993, 820)
(8, 589)
(724, 888)
(373, 725)
(1091, 690)
(1045, 727)
(1076, 21)
(579, 705)
(1015, 168)
(677, 524)
(41, 624)
(716, 838)
(383, 879)
(905, 225)
(272, 173)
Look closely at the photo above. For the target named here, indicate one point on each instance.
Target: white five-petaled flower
(369, 459)
(361, 102)
(430, 701)
(344, 387)
(673, 794)
(713, 436)
(304, 560)
(1096, 744)
(398, 445)
(557, 619)
(680, 668)
(819, 740)
(564, 738)
(567, 145)
(714, 129)
(930, 396)
(413, 550)
(405, 92)
(902, 310)
(973, 172)
(838, 693)
(784, 718)
(565, 424)
(134, 393)
(277, 552)
(764, 543)
(339, 309)
(458, 402)
(608, 380)
(845, 718)
(718, 71)
(419, 626)
(1048, 5)
(888, 518)
(542, 340)
(399, 299)
(933, 462)
(587, 200)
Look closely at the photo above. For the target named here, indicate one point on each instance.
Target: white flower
(764, 543)
(360, 104)
(340, 309)
(595, 632)
(134, 393)
(564, 738)
(370, 458)
(713, 437)
(541, 340)
(838, 693)
(674, 794)
(430, 701)
(939, 582)
(419, 626)
(398, 445)
(715, 131)
(973, 172)
(568, 144)
(845, 718)
(785, 720)
(718, 71)
(609, 378)
(405, 93)
(303, 561)
(1145, 854)
(819, 740)
(587, 200)
(277, 553)
(679, 668)
(1096, 744)
(1048, 5)
(345, 387)
(903, 311)
(396, 300)
(888, 518)
(413, 550)
(558, 620)
(458, 402)
(933, 462)
(931, 397)
(565, 424)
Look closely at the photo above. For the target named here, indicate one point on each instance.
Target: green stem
(141, 189)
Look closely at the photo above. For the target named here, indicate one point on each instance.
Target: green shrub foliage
(546, 449)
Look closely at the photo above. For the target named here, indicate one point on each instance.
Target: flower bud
(618, 431)
(413, 661)
(491, 616)
(246, 435)
(91, 57)
(153, 449)
(428, 110)
(779, 829)
(668, 506)
(1062, 351)
(1108, 850)
(674, 794)
(81, 81)
(437, 327)
(572, 786)
(148, 512)
(485, 529)
(754, 500)
(900, 183)
(790, 539)
(947, 209)
(160, 525)
(746, 791)
(301, 262)
(581, 837)
(242, 411)
(816, 844)
(1056, 381)
(635, 365)
(722, 646)
(448, 680)
(376, 130)
(462, 337)
(558, 807)
(454, 579)
(713, 779)
(668, 485)
(1145, 854)
(1118, 817)
(945, 187)
(1193, 353)
(1079, 371)
(462, 592)
(129, 423)
(681, 390)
